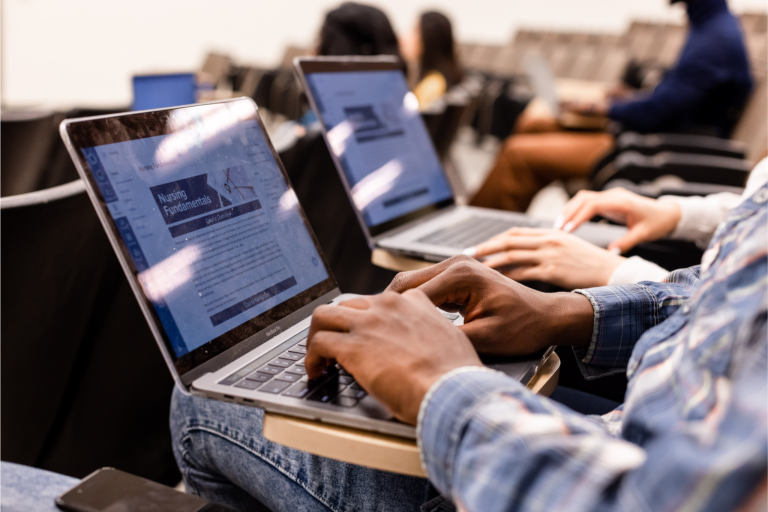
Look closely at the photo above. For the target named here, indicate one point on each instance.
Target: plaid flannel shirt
(692, 432)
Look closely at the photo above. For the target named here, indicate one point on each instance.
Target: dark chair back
(444, 126)
(83, 383)
(263, 88)
(27, 138)
(59, 167)
(327, 205)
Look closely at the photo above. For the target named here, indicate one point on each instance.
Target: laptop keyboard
(471, 231)
(285, 375)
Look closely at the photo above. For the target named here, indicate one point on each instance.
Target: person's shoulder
(718, 44)
(724, 28)
(430, 88)
(434, 79)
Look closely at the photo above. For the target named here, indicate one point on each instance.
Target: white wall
(66, 52)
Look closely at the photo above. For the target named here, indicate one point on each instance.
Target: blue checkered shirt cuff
(622, 314)
(446, 409)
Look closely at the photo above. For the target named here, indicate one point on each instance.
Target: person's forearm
(570, 319)
(492, 444)
(623, 313)
(700, 216)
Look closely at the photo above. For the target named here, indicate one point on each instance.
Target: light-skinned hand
(647, 219)
(549, 255)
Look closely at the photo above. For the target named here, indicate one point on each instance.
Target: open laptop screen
(161, 91)
(375, 131)
(209, 223)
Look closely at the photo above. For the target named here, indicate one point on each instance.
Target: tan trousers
(539, 153)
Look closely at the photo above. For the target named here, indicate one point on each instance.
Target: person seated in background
(555, 256)
(357, 29)
(691, 434)
(430, 44)
(352, 29)
(704, 91)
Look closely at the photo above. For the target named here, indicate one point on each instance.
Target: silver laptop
(221, 258)
(389, 167)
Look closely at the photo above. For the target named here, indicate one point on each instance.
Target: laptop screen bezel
(305, 66)
(102, 130)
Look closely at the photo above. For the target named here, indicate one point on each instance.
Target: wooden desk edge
(370, 449)
(385, 259)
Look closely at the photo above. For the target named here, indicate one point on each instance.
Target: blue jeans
(224, 458)
(25, 489)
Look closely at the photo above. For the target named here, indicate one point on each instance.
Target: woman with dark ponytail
(431, 45)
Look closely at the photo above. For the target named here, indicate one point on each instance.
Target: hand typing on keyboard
(396, 346)
(549, 255)
(501, 316)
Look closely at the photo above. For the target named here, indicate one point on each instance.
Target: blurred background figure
(703, 93)
(357, 29)
(350, 29)
(430, 47)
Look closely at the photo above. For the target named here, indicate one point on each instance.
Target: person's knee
(182, 408)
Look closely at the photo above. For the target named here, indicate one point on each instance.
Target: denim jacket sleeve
(623, 313)
(492, 445)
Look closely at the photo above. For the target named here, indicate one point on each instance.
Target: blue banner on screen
(213, 230)
(182, 199)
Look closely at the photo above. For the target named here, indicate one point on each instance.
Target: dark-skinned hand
(396, 346)
(501, 316)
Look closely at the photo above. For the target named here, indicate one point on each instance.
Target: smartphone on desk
(111, 490)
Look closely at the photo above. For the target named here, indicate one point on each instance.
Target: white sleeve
(636, 269)
(700, 216)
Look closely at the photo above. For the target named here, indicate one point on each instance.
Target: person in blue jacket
(704, 92)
